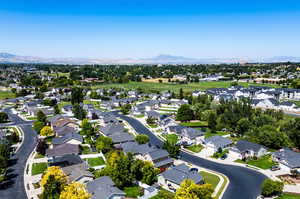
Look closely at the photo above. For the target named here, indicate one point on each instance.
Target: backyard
(95, 161)
(194, 124)
(133, 192)
(172, 138)
(288, 196)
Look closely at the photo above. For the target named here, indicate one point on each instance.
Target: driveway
(244, 183)
(14, 188)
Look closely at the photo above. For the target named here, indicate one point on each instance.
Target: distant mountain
(160, 59)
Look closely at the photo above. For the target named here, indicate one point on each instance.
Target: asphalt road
(14, 188)
(244, 183)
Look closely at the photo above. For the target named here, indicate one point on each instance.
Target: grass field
(195, 148)
(210, 178)
(38, 168)
(150, 86)
(288, 196)
(6, 95)
(264, 162)
(172, 138)
(194, 124)
(95, 161)
(210, 134)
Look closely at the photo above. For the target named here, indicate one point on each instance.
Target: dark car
(194, 169)
(224, 157)
(275, 168)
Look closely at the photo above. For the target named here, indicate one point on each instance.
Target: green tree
(56, 109)
(52, 188)
(87, 128)
(76, 95)
(3, 117)
(189, 190)
(172, 148)
(125, 109)
(212, 121)
(37, 126)
(46, 131)
(243, 125)
(41, 117)
(104, 144)
(271, 188)
(149, 173)
(142, 139)
(185, 113)
(78, 112)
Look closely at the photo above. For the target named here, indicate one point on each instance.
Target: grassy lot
(210, 178)
(95, 161)
(38, 168)
(95, 103)
(31, 118)
(195, 148)
(288, 196)
(194, 124)
(133, 192)
(163, 194)
(220, 133)
(37, 156)
(173, 138)
(150, 86)
(265, 162)
(6, 95)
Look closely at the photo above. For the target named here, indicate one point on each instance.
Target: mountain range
(160, 59)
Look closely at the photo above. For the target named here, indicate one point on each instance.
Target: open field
(150, 86)
(6, 95)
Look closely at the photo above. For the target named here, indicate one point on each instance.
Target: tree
(151, 120)
(142, 139)
(37, 126)
(56, 109)
(243, 125)
(3, 117)
(271, 188)
(87, 128)
(185, 113)
(149, 173)
(181, 93)
(41, 117)
(125, 109)
(75, 190)
(172, 148)
(46, 131)
(271, 137)
(189, 190)
(39, 95)
(212, 121)
(78, 112)
(41, 147)
(76, 95)
(53, 182)
(104, 144)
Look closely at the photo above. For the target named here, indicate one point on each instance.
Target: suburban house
(288, 160)
(62, 149)
(117, 133)
(61, 131)
(70, 138)
(191, 136)
(175, 129)
(244, 149)
(67, 109)
(78, 173)
(65, 160)
(174, 176)
(104, 188)
(217, 142)
(159, 158)
(62, 121)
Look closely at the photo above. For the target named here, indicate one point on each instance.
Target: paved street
(244, 183)
(14, 187)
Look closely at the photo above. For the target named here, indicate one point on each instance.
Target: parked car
(224, 157)
(194, 169)
(275, 168)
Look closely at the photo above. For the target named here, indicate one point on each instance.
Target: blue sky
(146, 28)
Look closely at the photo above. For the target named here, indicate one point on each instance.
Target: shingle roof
(157, 154)
(218, 141)
(121, 137)
(103, 188)
(77, 171)
(180, 173)
(243, 145)
(61, 131)
(66, 138)
(135, 148)
(66, 160)
(288, 157)
(111, 129)
(62, 149)
(193, 133)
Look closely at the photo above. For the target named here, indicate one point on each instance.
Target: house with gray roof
(136, 149)
(112, 129)
(174, 176)
(288, 160)
(159, 158)
(244, 149)
(70, 138)
(104, 188)
(65, 160)
(62, 149)
(61, 131)
(191, 136)
(78, 173)
(216, 142)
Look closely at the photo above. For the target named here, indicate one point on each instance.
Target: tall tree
(76, 95)
(189, 190)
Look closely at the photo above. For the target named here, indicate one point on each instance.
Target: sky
(147, 28)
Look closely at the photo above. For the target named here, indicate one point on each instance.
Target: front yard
(95, 161)
(288, 196)
(264, 162)
(210, 178)
(208, 133)
(172, 138)
(38, 168)
(195, 148)
(133, 192)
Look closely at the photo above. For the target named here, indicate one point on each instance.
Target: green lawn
(164, 194)
(220, 133)
(95, 103)
(139, 116)
(62, 104)
(173, 138)
(265, 162)
(6, 95)
(95, 161)
(150, 87)
(38, 168)
(195, 148)
(133, 192)
(194, 124)
(167, 110)
(210, 178)
(37, 156)
(31, 118)
(153, 125)
(288, 196)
